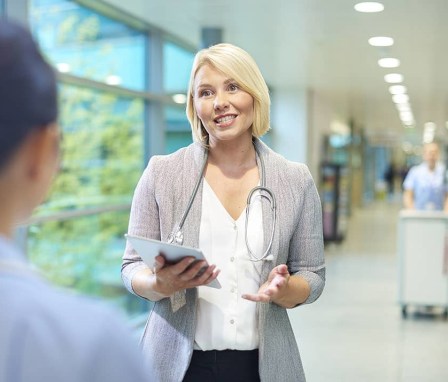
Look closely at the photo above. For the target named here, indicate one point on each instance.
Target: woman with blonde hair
(255, 215)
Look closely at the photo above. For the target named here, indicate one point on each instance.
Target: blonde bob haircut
(238, 65)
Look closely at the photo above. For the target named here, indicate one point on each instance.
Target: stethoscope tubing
(271, 198)
(177, 237)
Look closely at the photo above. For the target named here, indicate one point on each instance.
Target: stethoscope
(177, 236)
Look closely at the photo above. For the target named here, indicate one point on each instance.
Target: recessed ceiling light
(403, 106)
(381, 41)
(400, 98)
(406, 116)
(389, 62)
(430, 126)
(393, 78)
(63, 67)
(369, 7)
(180, 98)
(113, 80)
(397, 89)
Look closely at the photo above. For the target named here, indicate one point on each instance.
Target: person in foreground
(45, 334)
(425, 185)
(266, 262)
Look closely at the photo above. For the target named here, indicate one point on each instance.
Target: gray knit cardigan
(159, 201)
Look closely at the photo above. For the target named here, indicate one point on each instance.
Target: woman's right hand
(188, 273)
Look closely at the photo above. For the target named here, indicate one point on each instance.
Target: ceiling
(322, 45)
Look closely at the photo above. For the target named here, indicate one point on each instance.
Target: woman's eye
(233, 87)
(205, 93)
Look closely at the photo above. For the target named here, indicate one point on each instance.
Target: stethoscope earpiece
(269, 258)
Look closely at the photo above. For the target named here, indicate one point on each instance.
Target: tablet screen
(148, 249)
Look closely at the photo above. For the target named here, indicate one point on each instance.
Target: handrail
(71, 79)
(72, 214)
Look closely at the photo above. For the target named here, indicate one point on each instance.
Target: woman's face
(226, 111)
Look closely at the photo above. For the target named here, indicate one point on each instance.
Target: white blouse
(224, 319)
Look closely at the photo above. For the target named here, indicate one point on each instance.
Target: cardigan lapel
(271, 180)
(193, 221)
(192, 168)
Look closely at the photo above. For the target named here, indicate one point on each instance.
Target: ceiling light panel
(393, 78)
(369, 7)
(397, 89)
(400, 98)
(381, 41)
(389, 62)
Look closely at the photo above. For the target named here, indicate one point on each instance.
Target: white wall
(300, 119)
(289, 122)
(320, 119)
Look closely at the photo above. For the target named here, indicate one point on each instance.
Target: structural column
(210, 36)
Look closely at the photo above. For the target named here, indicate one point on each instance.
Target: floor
(355, 331)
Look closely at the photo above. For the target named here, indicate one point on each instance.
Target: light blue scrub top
(50, 335)
(428, 186)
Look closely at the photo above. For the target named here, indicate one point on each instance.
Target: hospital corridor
(355, 331)
(165, 120)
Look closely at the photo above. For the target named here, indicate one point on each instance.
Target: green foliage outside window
(102, 150)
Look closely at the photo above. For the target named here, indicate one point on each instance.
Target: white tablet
(148, 249)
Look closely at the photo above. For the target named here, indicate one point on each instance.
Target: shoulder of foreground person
(54, 335)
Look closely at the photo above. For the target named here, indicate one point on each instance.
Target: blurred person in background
(425, 186)
(389, 177)
(46, 334)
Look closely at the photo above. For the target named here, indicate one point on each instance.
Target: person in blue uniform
(46, 334)
(425, 184)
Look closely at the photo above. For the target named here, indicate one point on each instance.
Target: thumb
(282, 269)
(158, 263)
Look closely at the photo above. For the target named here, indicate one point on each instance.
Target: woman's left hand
(273, 289)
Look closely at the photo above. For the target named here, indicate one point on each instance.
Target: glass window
(178, 131)
(86, 44)
(102, 149)
(177, 64)
(103, 140)
(85, 254)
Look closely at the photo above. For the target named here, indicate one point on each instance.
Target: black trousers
(223, 366)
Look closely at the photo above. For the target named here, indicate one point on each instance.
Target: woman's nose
(221, 101)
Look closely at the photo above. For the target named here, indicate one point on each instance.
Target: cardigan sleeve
(143, 221)
(306, 250)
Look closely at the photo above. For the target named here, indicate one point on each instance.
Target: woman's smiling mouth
(225, 120)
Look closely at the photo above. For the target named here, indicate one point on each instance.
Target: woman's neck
(233, 155)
